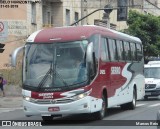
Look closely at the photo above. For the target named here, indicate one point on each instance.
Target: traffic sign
(1, 26)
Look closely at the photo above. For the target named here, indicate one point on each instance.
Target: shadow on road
(151, 99)
(84, 119)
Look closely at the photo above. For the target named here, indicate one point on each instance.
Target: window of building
(131, 3)
(67, 17)
(33, 9)
(76, 16)
(49, 17)
(44, 15)
(51, 20)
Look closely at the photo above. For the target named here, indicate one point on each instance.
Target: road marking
(154, 105)
(139, 105)
(2, 110)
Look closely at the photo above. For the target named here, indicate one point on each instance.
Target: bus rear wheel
(101, 114)
(131, 105)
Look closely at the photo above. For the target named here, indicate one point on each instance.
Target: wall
(73, 6)
(15, 28)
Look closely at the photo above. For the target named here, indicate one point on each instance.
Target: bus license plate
(53, 109)
(45, 114)
(148, 93)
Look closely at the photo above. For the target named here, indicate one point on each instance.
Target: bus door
(105, 66)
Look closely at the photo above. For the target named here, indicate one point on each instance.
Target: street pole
(106, 19)
(105, 9)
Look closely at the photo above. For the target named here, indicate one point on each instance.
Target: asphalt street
(145, 110)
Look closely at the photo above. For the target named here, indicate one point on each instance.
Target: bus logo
(102, 72)
(46, 95)
(115, 70)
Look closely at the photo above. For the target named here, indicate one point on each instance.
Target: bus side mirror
(90, 52)
(14, 56)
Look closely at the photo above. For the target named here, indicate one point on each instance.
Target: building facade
(19, 20)
(143, 6)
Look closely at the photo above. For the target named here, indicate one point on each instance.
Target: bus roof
(72, 33)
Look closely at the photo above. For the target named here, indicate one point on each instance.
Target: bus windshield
(55, 65)
(152, 72)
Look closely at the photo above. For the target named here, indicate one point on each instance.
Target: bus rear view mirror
(89, 52)
(14, 56)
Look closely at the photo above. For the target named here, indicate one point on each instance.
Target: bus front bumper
(83, 105)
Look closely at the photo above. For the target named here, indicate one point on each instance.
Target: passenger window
(127, 51)
(120, 50)
(139, 52)
(104, 50)
(133, 51)
(112, 50)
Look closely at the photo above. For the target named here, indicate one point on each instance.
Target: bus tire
(131, 105)
(47, 118)
(101, 114)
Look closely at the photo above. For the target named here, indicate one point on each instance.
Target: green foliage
(147, 28)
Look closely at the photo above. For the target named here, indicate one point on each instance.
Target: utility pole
(107, 10)
(105, 17)
(84, 11)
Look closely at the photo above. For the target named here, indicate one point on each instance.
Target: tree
(147, 28)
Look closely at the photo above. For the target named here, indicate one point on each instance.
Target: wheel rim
(134, 99)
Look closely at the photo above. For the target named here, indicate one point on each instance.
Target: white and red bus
(80, 69)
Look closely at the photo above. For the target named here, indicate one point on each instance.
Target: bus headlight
(27, 98)
(80, 96)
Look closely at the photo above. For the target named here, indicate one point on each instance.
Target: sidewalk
(10, 102)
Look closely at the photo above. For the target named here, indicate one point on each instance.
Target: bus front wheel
(101, 114)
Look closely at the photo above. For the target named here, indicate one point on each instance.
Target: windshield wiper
(62, 79)
(50, 71)
(46, 76)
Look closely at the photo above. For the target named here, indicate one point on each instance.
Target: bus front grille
(52, 101)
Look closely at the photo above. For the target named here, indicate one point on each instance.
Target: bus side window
(120, 50)
(127, 51)
(133, 51)
(104, 50)
(112, 50)
(139, 52)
